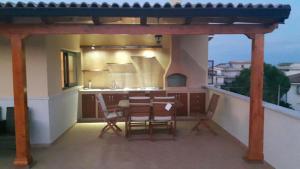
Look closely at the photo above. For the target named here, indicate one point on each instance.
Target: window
(69, 61)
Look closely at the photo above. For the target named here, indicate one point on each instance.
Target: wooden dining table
(125, 104)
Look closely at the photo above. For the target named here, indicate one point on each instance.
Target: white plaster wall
(54, 45)
(281, 131)
(36, 86)
(63, 104)
(35, 64)
(62, 112)
(282, 138)
(189, 56)
(233, 114)
(38, 117)
(52, 110)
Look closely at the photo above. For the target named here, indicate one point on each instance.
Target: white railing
(281, 130)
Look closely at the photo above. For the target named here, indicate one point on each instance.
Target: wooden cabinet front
(88, 106)
(197, 103)
(182, 98)
(113, 99)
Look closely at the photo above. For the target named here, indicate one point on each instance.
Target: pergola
(18, 21)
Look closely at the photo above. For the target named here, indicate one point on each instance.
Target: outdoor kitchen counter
(121, 91)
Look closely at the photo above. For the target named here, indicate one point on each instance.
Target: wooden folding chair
(162, 115)
(138, 114)
(111, 117)
(159, 93)
(209, 114)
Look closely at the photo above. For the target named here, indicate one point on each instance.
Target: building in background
(289, 68)
(227, 72)
(292, 70)
(293, 95)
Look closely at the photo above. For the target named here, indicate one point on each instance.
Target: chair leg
(129, 129)
(126, 129)
(145, 126)
(117, 127)
(196, 127)
(105, 128)
(150, 131)
(173, 126)
(209, 128)
(170, 127)
(111, 126)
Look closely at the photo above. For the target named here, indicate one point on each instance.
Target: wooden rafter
(207, 29)
(47, 20)
(6, 20)
(188, 20)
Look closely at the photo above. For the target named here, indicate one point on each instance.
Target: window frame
(65, 69)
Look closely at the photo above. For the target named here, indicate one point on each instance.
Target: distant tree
(274, 80)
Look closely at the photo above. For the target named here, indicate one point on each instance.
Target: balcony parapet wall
(281, 130)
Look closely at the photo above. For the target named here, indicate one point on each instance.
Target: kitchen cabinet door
(108, 99)
(88, 106)
(182, 98)
(197, 104)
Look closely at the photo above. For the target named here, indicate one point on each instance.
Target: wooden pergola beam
(207, 29)
(47, 20)
(188, 20)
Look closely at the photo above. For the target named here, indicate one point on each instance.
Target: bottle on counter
(90, 84)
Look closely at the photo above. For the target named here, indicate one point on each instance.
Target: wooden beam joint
(96, 20)
(143, 20)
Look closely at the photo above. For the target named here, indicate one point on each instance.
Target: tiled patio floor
(80, 148)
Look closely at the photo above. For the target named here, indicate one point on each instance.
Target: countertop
(119, 90)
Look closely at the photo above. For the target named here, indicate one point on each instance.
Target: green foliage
(273, 78)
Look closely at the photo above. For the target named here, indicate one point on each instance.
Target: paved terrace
(80, 148)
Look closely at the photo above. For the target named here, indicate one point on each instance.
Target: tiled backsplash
(135, 68)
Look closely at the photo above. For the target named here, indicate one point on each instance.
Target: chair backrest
(139, 99)
(212, 106)
(136, 93)
(157, 94)
(101, 104)
(159, 106)
(139, 106)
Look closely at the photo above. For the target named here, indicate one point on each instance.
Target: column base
(22, 163)
(254, 157)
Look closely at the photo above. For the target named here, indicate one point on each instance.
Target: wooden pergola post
(23, 155)
(256, 120)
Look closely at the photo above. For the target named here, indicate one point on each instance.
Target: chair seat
(162, 118)
(112, 115)
(139, 118)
